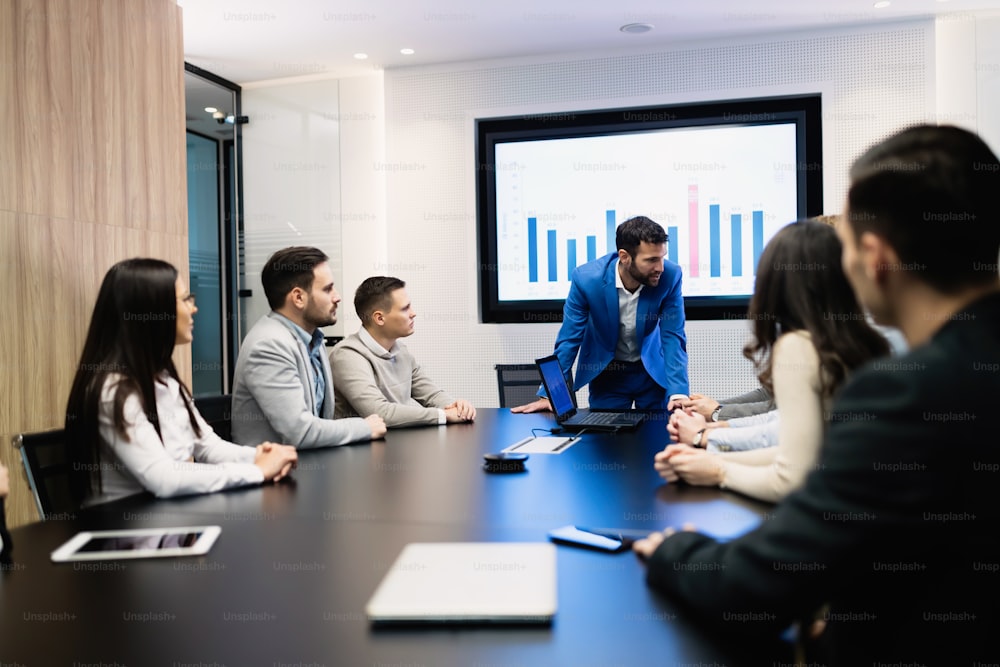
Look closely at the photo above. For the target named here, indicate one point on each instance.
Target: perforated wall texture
(873, 82)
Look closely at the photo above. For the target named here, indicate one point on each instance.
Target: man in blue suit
(625, 316)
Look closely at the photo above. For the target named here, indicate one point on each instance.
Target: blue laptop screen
(555, 384)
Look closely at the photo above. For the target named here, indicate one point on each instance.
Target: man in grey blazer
(283, 390)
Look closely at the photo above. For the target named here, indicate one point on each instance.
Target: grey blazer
(272, 393)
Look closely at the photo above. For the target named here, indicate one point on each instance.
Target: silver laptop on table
(468, 582)
(563, 401)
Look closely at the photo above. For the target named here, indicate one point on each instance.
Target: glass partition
(214, 220)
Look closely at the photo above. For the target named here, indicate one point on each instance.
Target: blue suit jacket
(590, 325)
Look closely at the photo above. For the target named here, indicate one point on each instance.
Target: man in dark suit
(6, 544)
(897, 527)
(625, 317)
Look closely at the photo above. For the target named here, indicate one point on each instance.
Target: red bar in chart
(693, 229)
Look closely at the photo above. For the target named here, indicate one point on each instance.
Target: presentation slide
(720, 192)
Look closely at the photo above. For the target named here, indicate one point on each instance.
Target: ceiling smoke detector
(636, 28)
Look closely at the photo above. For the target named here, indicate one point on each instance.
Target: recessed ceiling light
(636, 28)
(211, 109)
(360, 56)
(407, 52)
(881, 4)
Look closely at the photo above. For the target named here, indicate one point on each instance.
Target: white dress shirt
(628, 303)
(182, 463)
(628, 348)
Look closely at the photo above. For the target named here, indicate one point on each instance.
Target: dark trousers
(623, 383)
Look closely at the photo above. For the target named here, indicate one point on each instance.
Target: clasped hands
(682, 461)
(275, 461)
(459, 411)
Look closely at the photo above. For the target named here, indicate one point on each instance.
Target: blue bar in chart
(758, 238)
(532, 250)
(544, 253)
(610, 218)
(553, 266)
(736, 221)
(714, 249)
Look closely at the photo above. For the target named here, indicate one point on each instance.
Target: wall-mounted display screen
(721, 178)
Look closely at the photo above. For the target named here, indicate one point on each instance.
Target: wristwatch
(698, 436)
(715, 413)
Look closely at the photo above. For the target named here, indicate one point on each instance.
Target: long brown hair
(801, 286)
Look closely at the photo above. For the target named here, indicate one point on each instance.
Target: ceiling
(259, 40)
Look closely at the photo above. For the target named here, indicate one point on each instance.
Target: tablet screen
(138, 543)
(165, 540)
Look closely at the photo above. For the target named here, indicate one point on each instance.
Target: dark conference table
(289, 577)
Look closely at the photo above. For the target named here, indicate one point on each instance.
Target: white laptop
(468, 582)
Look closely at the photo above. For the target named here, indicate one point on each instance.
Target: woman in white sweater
(130, 422)
(809, 334)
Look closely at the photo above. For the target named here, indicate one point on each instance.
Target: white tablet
(138, 543)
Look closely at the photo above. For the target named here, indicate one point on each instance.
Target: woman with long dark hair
(809, 333)
(130, 421)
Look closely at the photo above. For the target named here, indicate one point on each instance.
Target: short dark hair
(636, 230)
(931, 192)
(287, 269)
(375, 293)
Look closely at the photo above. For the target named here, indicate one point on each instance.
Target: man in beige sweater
(375, 374)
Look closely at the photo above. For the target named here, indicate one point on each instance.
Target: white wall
(873, 82)
(413, 141)
(988, 80)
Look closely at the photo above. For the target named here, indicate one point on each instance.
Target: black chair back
(47, 464)
(218, 412)
(518, 384)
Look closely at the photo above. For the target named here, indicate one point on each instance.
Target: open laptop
(563, 401)
(468, 582)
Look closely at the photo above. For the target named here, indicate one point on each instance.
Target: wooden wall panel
(93, 171)
(9, 366)
(88, 158)
(8, 112)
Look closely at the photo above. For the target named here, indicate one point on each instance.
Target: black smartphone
(583, 538)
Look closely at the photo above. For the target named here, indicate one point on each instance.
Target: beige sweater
(390, 384)
(772, 473)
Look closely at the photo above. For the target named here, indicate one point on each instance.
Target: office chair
(218, 412)
(518, 384)
(46, 462)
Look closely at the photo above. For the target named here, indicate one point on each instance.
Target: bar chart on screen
(720, 194)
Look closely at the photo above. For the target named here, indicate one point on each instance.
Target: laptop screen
(555, 385)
